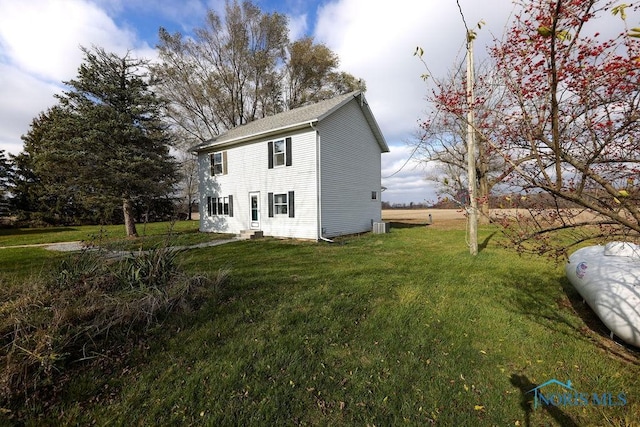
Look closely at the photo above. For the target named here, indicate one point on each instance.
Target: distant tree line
(540, 200)
(404, 205)
(115, 147)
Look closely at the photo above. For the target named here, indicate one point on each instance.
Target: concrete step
(251, 234)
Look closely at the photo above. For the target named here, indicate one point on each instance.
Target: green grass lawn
(34, 236)
(402, 328)
(19, 263)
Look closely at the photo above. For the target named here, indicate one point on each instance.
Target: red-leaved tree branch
(560, 106)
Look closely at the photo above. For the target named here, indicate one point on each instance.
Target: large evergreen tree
(44, 186)
(103, 146)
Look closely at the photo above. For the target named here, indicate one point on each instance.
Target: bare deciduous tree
(237, 68)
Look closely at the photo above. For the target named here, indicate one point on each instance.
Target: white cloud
(404, 177)
(376, 41)
(298, 26)
(43, 37)
(40, 39)
(40, 47)
(22, 98)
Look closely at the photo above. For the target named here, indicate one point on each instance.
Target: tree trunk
(483, 195)
(483, 181)
(129, 221)
(555, 104)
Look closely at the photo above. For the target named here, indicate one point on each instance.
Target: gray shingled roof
(301, 116)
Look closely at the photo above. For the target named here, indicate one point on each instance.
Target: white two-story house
(312, 172)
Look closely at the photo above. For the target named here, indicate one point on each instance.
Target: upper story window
(219, 163)
(279, 153)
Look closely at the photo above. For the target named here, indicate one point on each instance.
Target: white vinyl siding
(249, 171)
(350, 162)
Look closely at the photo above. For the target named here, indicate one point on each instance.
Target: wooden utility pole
(472, 211)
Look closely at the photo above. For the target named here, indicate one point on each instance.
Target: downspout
(318, 184)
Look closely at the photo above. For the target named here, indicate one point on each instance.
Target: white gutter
(319, 183)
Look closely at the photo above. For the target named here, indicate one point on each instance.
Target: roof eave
(378, 133)
(373, 124)
(259, 135)
(357, 95)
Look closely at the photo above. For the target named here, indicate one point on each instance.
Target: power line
(405, 163)
(462, 15)
(415, 149)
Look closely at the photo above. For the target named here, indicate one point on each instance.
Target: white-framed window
(374, 195)
(220, 206)
(218, 163)
(280, 204)
(279, 152)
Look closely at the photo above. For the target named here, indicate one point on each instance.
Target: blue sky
(40, 39)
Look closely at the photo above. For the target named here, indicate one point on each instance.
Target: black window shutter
(230, 205)
(209, 206)
(270, 203)
(213, 172)
(270, 144)
(291, 205)
(288, 148)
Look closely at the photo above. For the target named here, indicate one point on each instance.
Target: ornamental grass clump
(83, 308)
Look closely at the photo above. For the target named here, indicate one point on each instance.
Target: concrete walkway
(78, 246)
(62, 246)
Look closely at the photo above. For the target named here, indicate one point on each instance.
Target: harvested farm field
(437, 218)
(456, 218)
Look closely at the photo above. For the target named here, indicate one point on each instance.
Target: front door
(254, 202)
